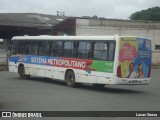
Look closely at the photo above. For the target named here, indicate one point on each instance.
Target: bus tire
(22, 74)
(70, 78)
(98, 86)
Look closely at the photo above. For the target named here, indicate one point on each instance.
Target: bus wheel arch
(70, 78)
(21, 71)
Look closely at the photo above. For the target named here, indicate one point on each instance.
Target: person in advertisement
(131, 73)
(140, 73)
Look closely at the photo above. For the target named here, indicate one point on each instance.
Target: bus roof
(48, 37)
(63, 37)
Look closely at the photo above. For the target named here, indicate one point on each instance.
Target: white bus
(98, 60)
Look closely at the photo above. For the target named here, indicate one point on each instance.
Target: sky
(114, 9)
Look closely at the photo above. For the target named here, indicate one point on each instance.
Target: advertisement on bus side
(74, 63)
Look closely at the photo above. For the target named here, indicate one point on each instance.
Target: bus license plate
(134, 81)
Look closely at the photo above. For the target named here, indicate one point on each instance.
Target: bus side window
(33, 47)
(105, 51)
(49, 48)
(84, 49)
(100, 51)
(15, 47)
(57, 48)
(75, 49)
(111, 51)
(68, 49)
(23, 47)
(43, 48)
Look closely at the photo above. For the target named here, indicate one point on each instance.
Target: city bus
(97, 60)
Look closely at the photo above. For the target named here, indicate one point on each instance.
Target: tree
(95, 17)
(150, 14)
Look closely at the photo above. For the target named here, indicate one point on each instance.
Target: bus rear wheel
(22, 73)
(70, 78)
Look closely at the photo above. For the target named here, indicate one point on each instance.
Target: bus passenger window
(105, 51)
(57, 48)
(42, 48)
(49, 47)
(84, 50)
(111, 51)
(15, 47)
(75, 49)
(23, 47)
(100, 51)
(68, 49)
(33, 47)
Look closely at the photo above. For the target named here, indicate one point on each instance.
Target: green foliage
(151, 14)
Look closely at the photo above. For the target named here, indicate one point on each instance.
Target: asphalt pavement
(41, 94)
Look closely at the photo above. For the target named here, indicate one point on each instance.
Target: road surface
(40, 94)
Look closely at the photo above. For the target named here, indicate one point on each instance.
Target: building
(19, 24)
(149, 29)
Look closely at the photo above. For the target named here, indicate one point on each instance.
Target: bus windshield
(134, 58)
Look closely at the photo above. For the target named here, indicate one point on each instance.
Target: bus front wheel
(22, 73)
(70, 78)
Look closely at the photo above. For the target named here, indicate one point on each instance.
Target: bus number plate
(134, 81)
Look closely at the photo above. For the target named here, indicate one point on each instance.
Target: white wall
(122, 27)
